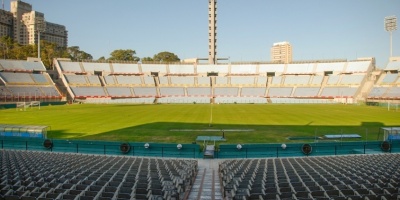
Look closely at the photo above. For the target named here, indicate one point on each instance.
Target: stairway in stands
(206, 185)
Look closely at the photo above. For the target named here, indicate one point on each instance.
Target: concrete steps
(206, 185)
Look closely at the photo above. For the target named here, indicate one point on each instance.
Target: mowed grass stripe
(152, 123)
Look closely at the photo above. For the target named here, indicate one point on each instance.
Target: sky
(246, 29)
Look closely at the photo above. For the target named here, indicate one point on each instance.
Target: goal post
(35, 103)
(21, 106)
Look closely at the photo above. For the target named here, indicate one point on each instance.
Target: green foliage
(147, 59)
(77, 55)
(124, 55)
(155, 123)
(166, 56)
(48, 51)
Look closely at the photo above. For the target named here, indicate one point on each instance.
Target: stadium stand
(360, 66)
(181, 70)
(305, 68)
(119, 91)
(91, 67)
(199, 91)
(306, 92)
(336, 67)
(172, 91)
(221, 69)
(16, 78)
(333, 80)
(297, 80)
(145, 91)
(252, 92)
(84, 91)
(338, 92)
(24, 66)
(352, 79)
(70, 67)
(340, 177)
(242, 80)
(182, 80)
(127, 68)
(39, 175)
(128, 80)
(243, 70)
(226, 91)
(280, 92)
(26, 81)
(275, 68)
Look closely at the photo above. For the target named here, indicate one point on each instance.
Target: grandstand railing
(102, 148)
(295, 150)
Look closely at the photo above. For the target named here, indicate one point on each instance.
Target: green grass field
(152, 123)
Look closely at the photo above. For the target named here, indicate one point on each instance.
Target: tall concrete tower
(212, 31)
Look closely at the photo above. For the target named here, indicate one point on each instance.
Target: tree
(102, 59)
(76, 54)
(124, 55)
(147, 59)
(6, 44)
(166, 56)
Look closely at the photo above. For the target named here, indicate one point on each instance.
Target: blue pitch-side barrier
(25, 135)
(193, 150)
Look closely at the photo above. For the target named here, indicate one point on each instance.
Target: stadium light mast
(40, 27)
(390, 26)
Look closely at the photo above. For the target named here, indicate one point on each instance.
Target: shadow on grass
(161, 132)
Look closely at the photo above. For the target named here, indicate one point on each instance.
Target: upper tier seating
(119, 91)
(92, 67)
(306, 92)
(128, 80)
(16, 78)
(226, 91)
(333, 67)
(145, 91)
(70, 66)
(393, 65)
(277, 68)
(306, 68)
(242, 80)
(182, 80)
(358, 66)
(121, 68)
(243, 69)
(280, 91)
(252, 92)
(84, 91)
(19, 65)
(389, 78)
(148, 68)
(297, 80)
(172, 91)
(221, 69)
(181, 69)
(198, 91)
(338, 92)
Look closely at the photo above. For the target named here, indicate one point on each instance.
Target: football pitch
(180, 123)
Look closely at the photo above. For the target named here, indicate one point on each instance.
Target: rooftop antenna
(2, 4)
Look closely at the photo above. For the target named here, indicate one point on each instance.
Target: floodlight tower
(40, 27)
(390, 26)
(212, 31)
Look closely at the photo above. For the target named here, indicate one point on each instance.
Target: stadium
(318, 129)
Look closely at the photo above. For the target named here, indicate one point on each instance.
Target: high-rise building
(212, 31)
(22, 24)
(281, 52)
